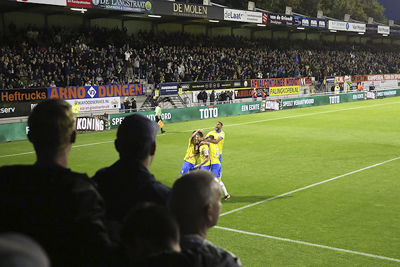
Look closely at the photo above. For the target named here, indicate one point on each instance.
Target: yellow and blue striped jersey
(214, 154)
(191, 150)
(204, 153)
(217, 135)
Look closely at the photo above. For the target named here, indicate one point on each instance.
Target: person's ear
(73, 137)
(153, 149)
(208, 214)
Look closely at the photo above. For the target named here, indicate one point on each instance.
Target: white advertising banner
(385, 84)
(242, 15)
(346, 26)
(46, 2)
(383, 29)
(89, 104)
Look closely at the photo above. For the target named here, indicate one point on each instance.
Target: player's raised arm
(195, 132)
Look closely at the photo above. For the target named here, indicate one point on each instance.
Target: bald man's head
(195, 201)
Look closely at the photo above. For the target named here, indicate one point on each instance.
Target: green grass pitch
(272, 153)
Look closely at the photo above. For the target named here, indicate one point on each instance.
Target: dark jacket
(211, 255)
(123, 185)
(60, 209)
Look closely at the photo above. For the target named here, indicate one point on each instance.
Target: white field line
(31, 152)
(230, 125)
(308, 186)
(300, 115)
(310, 244)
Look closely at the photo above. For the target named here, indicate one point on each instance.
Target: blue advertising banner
(80, 92)
(169, 88)
(124, 5)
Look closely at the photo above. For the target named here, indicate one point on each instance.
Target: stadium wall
(169, 27)
(106, 23)
(262, 34)
(195, 29)
(280, 35)
(65, 21)
(245, 33)
(134, 26)
(220, 31)
(2, 24)
(298, 36)
(24, 19)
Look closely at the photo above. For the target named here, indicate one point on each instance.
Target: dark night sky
(392, 9)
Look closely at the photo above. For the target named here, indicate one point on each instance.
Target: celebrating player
(204, 152)
(192, 153)
(218, 140)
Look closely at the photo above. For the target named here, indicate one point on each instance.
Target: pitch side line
(310, 244)
(230, 125)
(308, 186)
(31, 152)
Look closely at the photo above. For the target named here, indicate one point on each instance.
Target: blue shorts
(207, 168)
(216, 169)
(186, 167)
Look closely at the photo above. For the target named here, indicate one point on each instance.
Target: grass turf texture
(268, 154)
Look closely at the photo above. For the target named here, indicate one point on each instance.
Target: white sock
(223, 188)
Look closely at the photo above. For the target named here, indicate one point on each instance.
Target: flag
(160, 123)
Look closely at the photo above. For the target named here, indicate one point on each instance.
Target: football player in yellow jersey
(219, 138)
(192, 153)
(216, 157)
(204, 152)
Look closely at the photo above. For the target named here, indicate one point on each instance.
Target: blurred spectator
(128, 181)
(150, 237)
(57, 207)
(127, 105)
(195, 202)
(133, 104)
(212, 97)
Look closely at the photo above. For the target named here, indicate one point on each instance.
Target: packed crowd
(121, 217)
(62, 57)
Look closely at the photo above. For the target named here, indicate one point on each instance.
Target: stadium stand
(30, 59)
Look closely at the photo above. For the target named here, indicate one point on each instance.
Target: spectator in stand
(254, 94)
(204, 98)
(57, 207)
(128, 181)
(127, 105)
(133, 104)
(264, 94)
(103, 57)
(196, 203)
(212, 97)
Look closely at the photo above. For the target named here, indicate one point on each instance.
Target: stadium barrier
(13, 131)
(17, 131)
(321, 100)
(336, 99)
(195, 113)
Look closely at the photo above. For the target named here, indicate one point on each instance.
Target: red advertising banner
(375, 77)
(79, 3)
